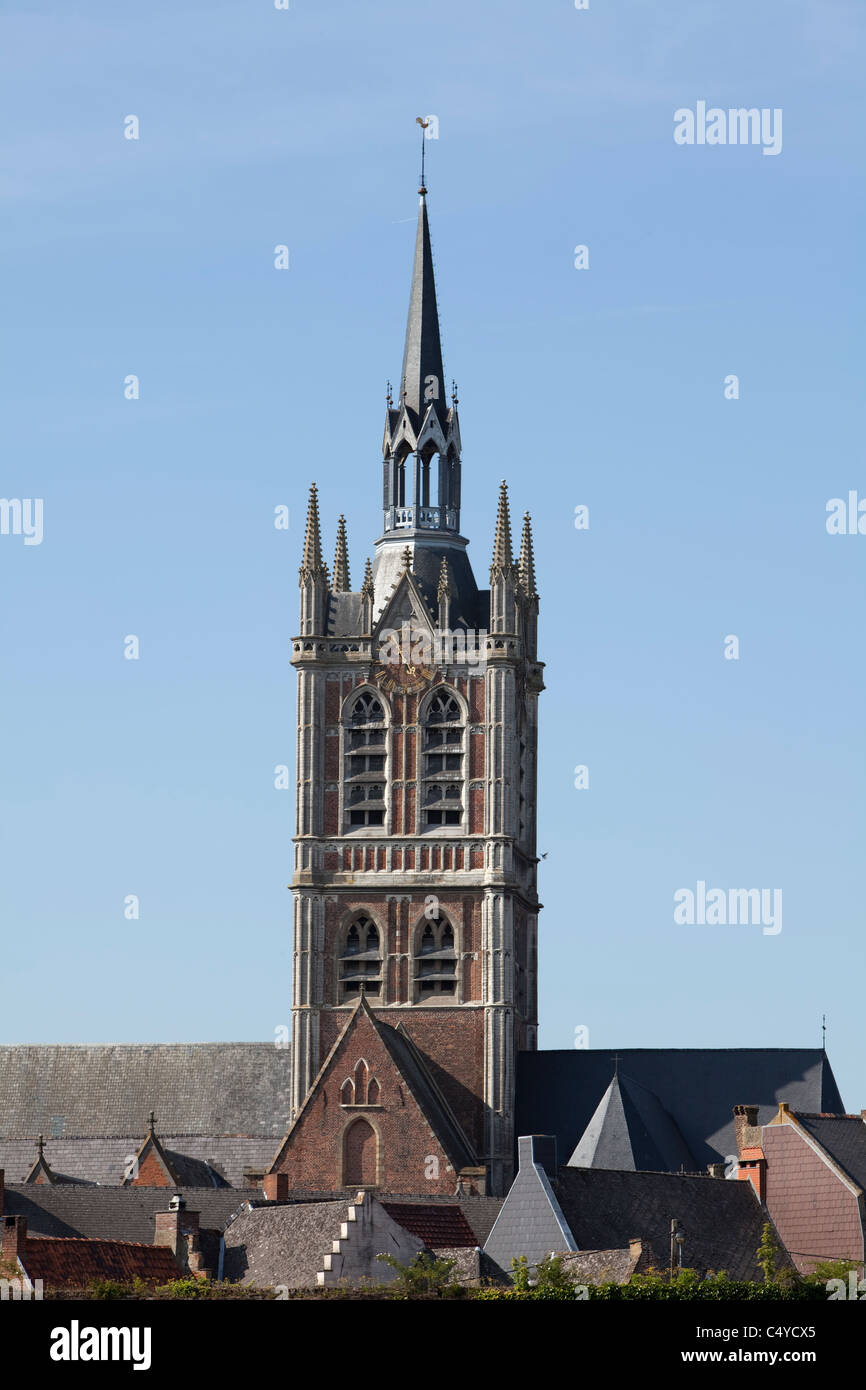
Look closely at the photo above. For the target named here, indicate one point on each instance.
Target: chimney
(13, 1240)
(2, 1189)
(276, 1187)
(746, 1127)
(540, 1150)
(716, 1170)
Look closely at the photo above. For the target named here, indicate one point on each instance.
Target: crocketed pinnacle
(367, 586)
(312, 558)
(406, 557)
(502, 558)
(526, 563)
(444, 588)
(341, 583)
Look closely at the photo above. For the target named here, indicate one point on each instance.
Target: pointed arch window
(442, 756)
(435, 970)
(361, 959)
(364, 761)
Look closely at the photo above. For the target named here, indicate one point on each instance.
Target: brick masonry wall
(815, 1214)
(410, 1158)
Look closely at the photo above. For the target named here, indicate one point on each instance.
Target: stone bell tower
(415, 853)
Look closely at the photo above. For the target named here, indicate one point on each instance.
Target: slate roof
(102, 1159)
(194, 1088)
(77, 1262)
(437, 1225)
(282, 1244)
(119, 1213)
(600, 1266)
(843, 1137)
(559, 1091)
(722, 1220)
(632, 1129)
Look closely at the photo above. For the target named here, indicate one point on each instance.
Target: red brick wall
(816, 1215)
(322, 1143)
(151, 1173)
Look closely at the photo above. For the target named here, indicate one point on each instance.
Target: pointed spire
(502, 557)
(422, 376)
(312, 559)
(526, 563)
(367, 586)
(341, 584)
(444, 588)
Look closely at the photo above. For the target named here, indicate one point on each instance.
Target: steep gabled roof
(843, 1138)
(104, 1159)
(558, 1092)
(195, 1088)
(722, 1221)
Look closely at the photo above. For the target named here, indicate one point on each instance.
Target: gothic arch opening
(435, 960)
(360, 1155)
(360, 959)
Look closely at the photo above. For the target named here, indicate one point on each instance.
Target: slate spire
(422, 379)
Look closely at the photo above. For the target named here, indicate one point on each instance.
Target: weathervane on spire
(423, 123)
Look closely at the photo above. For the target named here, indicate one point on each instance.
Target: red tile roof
(440, 1227)
(60, 1260)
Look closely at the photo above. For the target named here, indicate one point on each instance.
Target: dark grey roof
(558, 1091)
(194, 1088)
(103, 1159)
(632, 1129)
(531, 1223)
(722, 1220)
(843, 1137)
(119, 1213)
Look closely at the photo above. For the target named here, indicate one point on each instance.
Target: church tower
(415, 902)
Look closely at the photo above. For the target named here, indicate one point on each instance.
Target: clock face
(404, 676)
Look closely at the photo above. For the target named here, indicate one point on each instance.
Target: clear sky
(602, 387)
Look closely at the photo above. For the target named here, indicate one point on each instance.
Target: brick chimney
(13, 1236)
(746, 1127)
(276, 1187)
(179, 1230)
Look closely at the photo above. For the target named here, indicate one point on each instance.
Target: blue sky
(602, 387)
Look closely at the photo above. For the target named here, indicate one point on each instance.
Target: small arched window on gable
(361, 958)
(435, 961)
(442, 755)
(365, 732)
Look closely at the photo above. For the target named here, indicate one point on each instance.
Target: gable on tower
(375, 1117)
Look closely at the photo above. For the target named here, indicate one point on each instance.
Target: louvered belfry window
(442, 754)
(364, 762)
